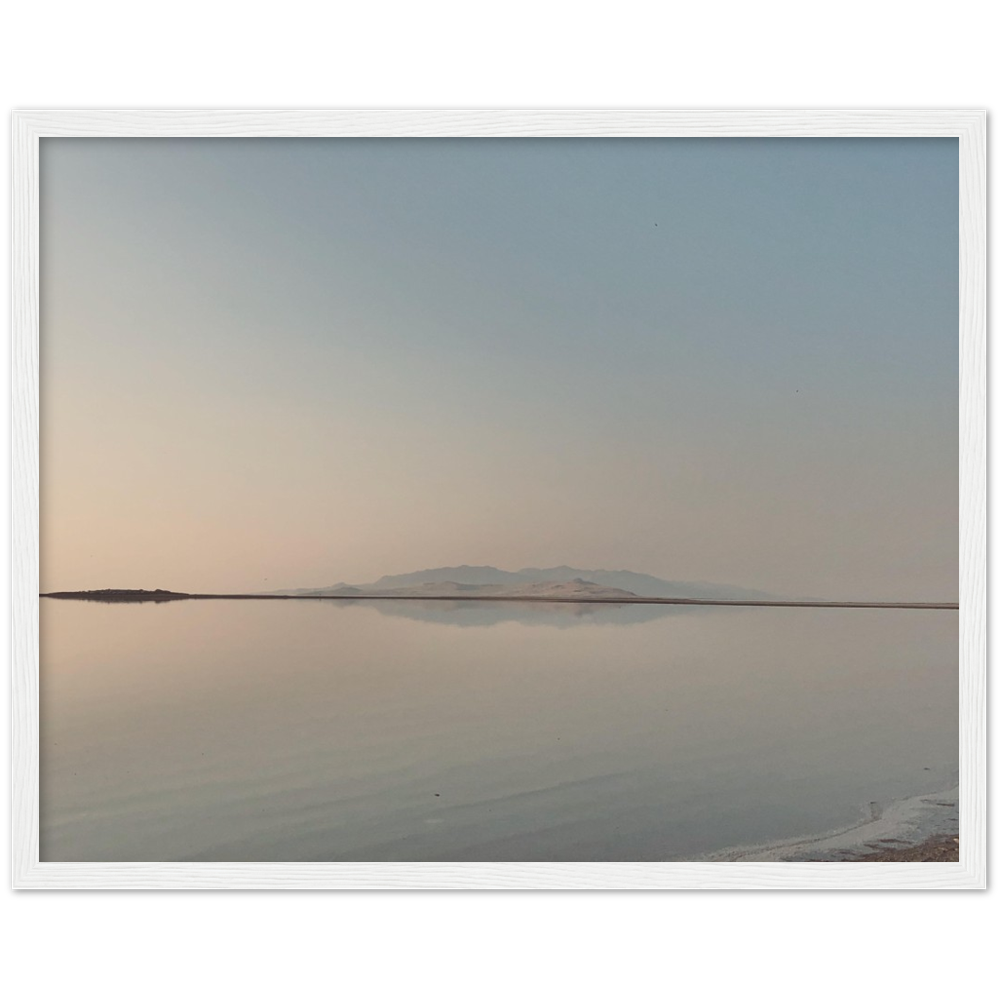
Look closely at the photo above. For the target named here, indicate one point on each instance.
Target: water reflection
(303, 730)
(459, 613)
(477, 614)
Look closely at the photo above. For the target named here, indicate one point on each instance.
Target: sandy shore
(940, 848)
(921, 828)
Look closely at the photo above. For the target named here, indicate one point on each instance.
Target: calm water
(320, 731)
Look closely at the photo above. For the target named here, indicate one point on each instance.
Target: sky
(272, 363)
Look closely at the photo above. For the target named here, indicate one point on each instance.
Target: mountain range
(555, 581)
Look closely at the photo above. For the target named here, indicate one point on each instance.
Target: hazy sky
(275, 363)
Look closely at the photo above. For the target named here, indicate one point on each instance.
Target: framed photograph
(499, 499)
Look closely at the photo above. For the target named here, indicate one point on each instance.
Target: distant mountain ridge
(568, 589)
(533, 581)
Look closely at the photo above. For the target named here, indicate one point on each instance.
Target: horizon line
(138, 596)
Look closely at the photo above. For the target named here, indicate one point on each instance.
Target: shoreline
(939, 848)
(165, 596)
(919, 828)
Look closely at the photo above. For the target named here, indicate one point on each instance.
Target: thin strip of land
(122, 596)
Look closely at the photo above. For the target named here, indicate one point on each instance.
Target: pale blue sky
(282, 362)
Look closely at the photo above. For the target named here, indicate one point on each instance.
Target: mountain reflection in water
(555, 615)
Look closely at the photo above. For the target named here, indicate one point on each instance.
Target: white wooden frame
(969, 127)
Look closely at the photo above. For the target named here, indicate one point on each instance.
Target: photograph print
(499, 499)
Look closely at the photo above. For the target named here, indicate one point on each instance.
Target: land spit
(170, 595)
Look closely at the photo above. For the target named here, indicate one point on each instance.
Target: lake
(397, 731)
